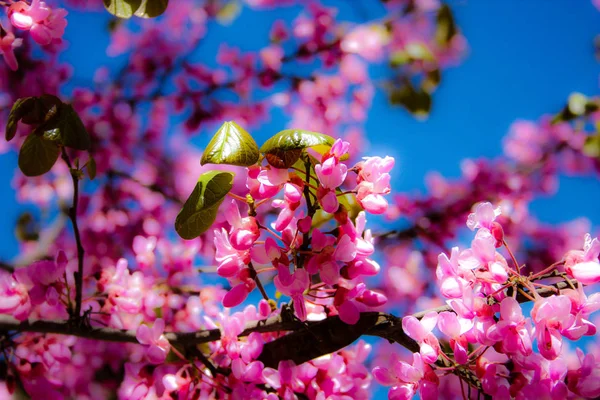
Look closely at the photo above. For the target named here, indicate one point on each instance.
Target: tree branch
(308, 340)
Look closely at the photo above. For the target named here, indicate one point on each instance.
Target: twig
(80, 250)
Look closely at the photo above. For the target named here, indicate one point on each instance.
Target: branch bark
(307, 341)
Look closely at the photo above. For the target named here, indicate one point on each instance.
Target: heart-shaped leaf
(37, 156)
(231, 145)
(122, 8)
(151, 8)
(72, 130)
(200, 209)
(285, 148)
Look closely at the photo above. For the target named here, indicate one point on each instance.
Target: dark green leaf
(72, 130)
(285, 148)
(231, 145)
(91, 168)
(44, 110)
(200, 209)
(37, 156)
(431, 81)
(18, 110)
(416, 101)
(122, 8)
(151, 8)
(27, 228)
(446, 27)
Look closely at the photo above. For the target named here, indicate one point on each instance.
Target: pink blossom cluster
(295, 250)
(488, 331)
(45, 25)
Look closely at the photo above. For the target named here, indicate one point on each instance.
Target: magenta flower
(331, 172)
(406, 378)
(455, 327)
(14, 299)
(8, 44)
(374, 183)
(44, 24)
(244, 231)
(513, 328)
(230, 260)
(584, 265)
(420, 331)
(367, 41)
(551, 315)
(483, 216)
(158, 345)
(144, 250)
(294, 285)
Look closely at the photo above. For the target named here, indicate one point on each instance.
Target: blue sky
(524, 59)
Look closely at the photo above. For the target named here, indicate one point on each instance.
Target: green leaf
(200, 209)
(151, 8)
(72, 130)
(416, 101)
(285, 148)
(91, 168)
(45, 108)
(231, 145)
(122, 8)
(18, 110)
(37, 156)
(446, 27)
(591, 148)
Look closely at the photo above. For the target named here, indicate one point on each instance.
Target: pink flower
(14, 299)
(144, 250)
(373, 183)
(581, 306)
(8, 44)
(513, 329)
(585, 381)
(455, 327)
(244, 231)
(230, 260)
(551, 315)
(293, 285)
(483, 216)
(158, 345)
(406, 378)
(44, 24)
(238, 293)
(331, 172)
(272, 56)
(584, 265)
(420, 331)
(366, 41)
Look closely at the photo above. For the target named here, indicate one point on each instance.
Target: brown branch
(321, 337)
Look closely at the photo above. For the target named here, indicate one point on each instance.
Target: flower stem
(80, 251)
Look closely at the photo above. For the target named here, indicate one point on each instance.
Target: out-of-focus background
(523, 61)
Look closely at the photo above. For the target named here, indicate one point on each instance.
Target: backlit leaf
(200, 209)
(231, 145)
